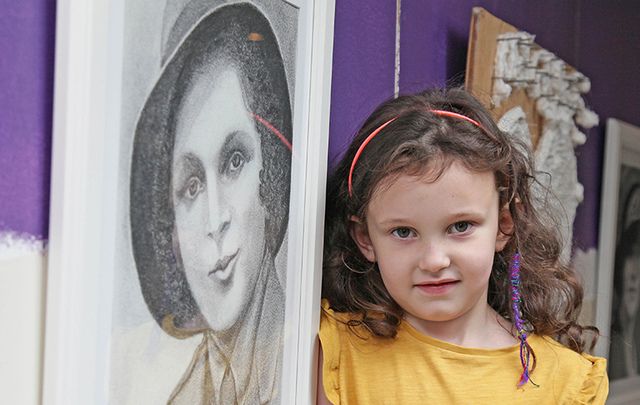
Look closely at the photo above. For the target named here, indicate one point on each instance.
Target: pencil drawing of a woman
(210, 181)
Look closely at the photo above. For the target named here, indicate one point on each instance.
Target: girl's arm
(321, 398)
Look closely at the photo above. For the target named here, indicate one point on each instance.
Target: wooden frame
(484, 31)
(89, 149)
(621, 173)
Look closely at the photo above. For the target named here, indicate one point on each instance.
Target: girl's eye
(235, 163)
(402, 233)
(193, 187)
(460, 227)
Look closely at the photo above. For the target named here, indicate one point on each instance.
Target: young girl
(442, 282)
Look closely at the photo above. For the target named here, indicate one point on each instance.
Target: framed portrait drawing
(190, 148)
(618, 297)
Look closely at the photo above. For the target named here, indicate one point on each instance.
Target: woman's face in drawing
(631, 284)
(219, 218)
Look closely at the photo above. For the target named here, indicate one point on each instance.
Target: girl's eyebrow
(394, 221)
(456, 216)
(467, 213)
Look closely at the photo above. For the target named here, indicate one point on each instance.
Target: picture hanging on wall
(536, 96)
(619, 262)
(203, 115)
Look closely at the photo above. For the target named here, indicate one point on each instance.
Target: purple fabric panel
(601, 39)
(434, 40)
(27, 30)
(435, 35)
(608, 52)
(433, 43)
(590, 157)
(363, 66)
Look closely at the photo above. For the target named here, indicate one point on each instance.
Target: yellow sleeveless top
(417, 369)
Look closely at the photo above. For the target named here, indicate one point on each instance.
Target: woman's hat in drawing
(238, 35)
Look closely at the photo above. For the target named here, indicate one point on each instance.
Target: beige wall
(22, 286)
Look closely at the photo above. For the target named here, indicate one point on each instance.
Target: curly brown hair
(420, 142)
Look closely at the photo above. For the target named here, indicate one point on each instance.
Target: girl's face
(219, 218)
(434, 243)
(631, 286)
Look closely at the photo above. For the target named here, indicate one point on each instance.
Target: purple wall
(608, 53)
(363, 65)
(601, 39)
(26, 81)
(435, 35)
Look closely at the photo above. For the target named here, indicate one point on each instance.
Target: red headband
(443, 113)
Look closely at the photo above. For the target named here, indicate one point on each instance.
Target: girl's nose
(219, 215)
(434, 258)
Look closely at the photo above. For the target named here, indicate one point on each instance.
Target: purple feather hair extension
(516, 300)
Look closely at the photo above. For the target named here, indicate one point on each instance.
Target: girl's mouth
(223, 267)
(440, 287)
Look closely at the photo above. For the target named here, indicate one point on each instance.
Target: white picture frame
(86, 176)
(621, 174)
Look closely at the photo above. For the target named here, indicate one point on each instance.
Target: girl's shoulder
(329, 312)
(350, 354)
(343, 333)
(335, 323)
(582, 374)
(331, 315)
(346, 322)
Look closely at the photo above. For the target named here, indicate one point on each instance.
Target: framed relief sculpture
(185, 283)
(619, 262)
(538, 97)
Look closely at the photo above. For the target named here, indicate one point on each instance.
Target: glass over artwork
(200, 286)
